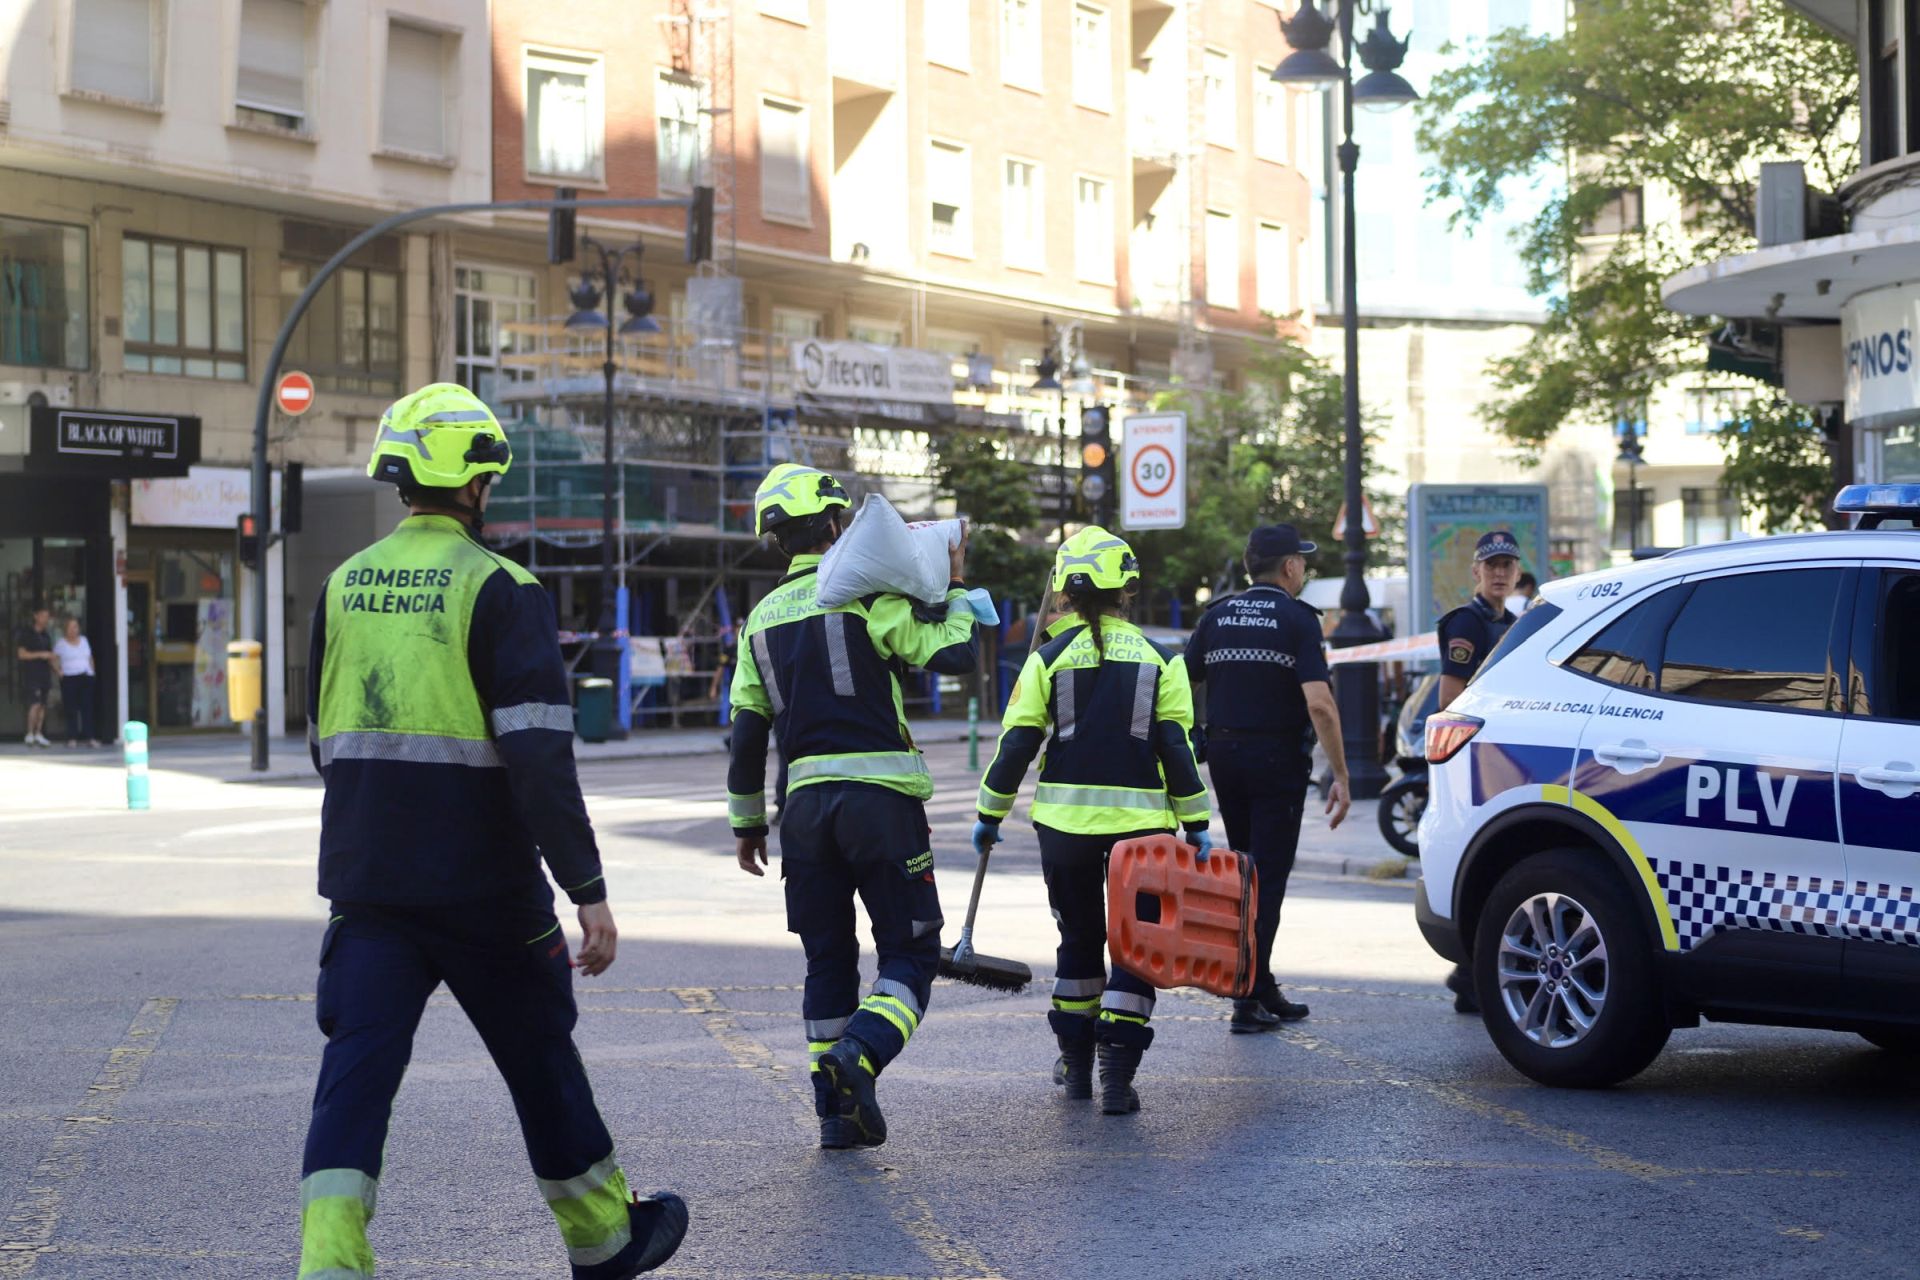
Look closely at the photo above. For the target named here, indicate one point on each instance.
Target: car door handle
(1896, 778)
(1628, 757)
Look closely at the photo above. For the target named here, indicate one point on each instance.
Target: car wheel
(1400, 808)
(1566, 978)
(1901, 1040)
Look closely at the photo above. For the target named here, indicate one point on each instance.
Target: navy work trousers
(506, 963)
(1075, 869)
(840, 840)
(1261, 792)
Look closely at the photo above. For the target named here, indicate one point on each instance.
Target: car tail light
(1447, 732)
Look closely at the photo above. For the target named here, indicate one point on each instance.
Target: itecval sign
(1877, 333)
(852, 378)
(107, 443)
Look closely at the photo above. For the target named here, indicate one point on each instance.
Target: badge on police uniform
(1460, 651)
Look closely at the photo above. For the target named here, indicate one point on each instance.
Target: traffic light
(247, 540)
(1096, 462)
(700, 226)
(560, 228)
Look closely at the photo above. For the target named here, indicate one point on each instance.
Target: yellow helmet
(791, 492)
(439, 437)
(1094, 558)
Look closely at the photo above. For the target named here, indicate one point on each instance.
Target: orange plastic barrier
(1198, 929)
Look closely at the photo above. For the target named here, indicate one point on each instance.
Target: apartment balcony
(864, 38)
(1156, 123)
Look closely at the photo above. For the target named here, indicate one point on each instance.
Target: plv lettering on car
(1775, 793)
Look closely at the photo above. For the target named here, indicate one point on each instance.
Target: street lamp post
(638, 301)
(1309, 31)
(1631, 455)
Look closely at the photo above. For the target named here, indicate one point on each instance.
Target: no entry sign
(1153, 471)
(294, 394)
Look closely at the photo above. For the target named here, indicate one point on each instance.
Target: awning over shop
(1803, 280)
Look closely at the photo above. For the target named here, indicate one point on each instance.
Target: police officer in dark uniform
(1258, 656)
(1467, 635)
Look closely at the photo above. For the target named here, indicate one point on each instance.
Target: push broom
(963, 964)
(960, 962)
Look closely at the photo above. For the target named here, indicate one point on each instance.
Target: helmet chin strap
(474, 516)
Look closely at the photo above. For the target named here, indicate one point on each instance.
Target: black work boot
(659, 1224)
(1250, 1017)
(1460, 982)
(836, 1131)
(854, 1100)
(1118, 1062)
(1275, 1002)
(1074, 1069)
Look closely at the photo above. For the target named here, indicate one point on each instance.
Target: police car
(1690, 788)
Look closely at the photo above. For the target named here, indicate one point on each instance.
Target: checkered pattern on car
(1704, 899)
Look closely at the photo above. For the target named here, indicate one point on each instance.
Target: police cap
(1498, 543)
(1277, 541)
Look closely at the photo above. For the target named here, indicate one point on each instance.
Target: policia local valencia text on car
(444, 735)
(825, 684)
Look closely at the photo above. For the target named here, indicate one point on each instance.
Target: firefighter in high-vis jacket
(442, 729)
(1114, 712)
(825, 683)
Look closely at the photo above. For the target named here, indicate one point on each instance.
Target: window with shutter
(1092, 231)
(1273, 268)
(414, 110)
(116, 51)
(950, 194)
(1223, 261)
(1022, 220)
(271, 84)
(786, 183)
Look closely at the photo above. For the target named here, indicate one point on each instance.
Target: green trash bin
(593, 708)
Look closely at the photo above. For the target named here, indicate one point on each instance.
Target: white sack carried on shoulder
(880, 551)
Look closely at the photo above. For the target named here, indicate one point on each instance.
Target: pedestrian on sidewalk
(33, 647)
(825, 684)
(1467, 635)
(445, 738)
(1114, 712)
(1259, 655)
(74, 656)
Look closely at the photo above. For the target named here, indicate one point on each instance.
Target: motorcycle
(1405, 798)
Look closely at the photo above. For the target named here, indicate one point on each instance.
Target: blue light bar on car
(1887, 499)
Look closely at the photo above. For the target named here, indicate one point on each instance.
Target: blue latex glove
(981, 602)
(985, 836)
(1202, 842)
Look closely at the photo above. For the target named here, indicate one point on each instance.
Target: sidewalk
(228, 757)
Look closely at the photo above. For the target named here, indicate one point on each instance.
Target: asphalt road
(156, 973)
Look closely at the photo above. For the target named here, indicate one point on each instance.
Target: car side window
(1627, 650)
(1895, 641)
(1755, 638)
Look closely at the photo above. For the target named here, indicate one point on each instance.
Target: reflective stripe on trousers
(591, 1210)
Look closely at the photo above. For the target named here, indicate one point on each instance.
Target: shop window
(349, 340)
(43, 294)
(183, 309)
(488, 302)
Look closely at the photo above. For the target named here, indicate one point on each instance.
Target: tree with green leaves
(1777, 463)
(1270, 452)
(1637, 99)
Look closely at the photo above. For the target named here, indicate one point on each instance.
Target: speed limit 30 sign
(1153, 471)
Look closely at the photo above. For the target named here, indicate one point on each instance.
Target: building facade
(1838, 311)
(168, 183)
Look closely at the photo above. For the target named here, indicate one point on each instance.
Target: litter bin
(593, 708)
(243, 680)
